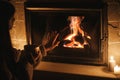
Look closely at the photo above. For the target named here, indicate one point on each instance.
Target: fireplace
(85, 43)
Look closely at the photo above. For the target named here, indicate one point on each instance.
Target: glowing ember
(75, 30)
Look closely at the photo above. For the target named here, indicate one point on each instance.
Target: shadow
(106, 70)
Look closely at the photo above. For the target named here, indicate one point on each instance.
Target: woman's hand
(50, 40)
(33, 54)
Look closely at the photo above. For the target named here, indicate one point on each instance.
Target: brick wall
(19, 36)
(18, 33)
(114, 30)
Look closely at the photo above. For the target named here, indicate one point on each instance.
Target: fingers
(37, 53)
(50, 38)
(37, 50)
(55, 38)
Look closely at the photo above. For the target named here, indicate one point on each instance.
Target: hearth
(82, 29)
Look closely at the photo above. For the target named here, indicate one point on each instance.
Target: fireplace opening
(82, 32)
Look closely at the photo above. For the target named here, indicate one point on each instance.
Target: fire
(75, 30)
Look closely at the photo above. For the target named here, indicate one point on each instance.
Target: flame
(75, 30)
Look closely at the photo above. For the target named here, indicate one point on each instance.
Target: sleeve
(16, 54)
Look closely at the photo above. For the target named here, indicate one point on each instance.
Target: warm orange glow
(75, 30)
(18, 37)
(18, 43)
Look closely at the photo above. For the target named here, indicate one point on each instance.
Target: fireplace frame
(31, 7)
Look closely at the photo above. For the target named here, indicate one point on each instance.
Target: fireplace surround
(42, 16)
